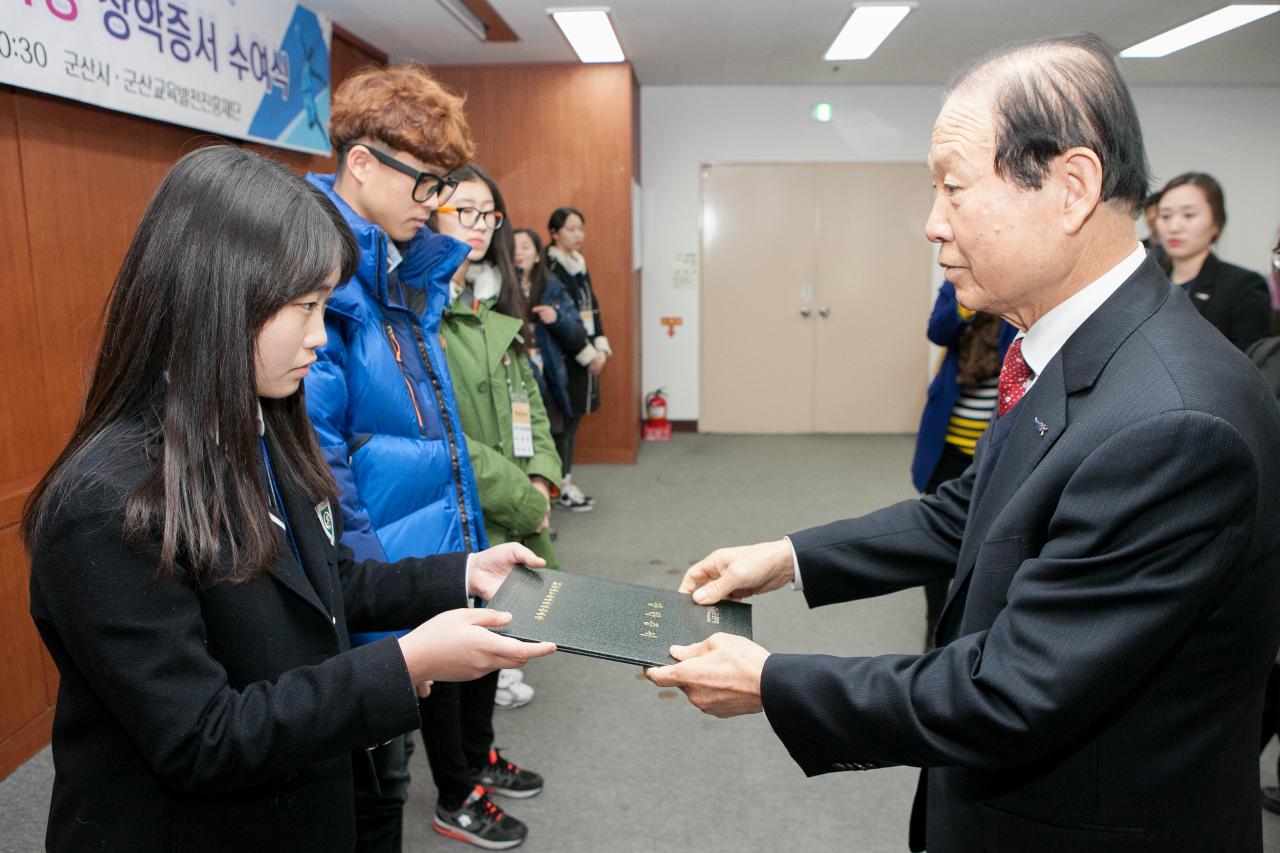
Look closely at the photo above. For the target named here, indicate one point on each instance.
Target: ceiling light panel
(1213, 24)
(590, 34)
(866, 29)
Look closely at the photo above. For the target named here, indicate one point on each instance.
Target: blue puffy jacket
(383, 407)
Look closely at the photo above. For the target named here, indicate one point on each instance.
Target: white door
(815, 283)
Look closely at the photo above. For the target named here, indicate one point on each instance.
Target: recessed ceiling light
(590, 33)
(822, 112)
(867, 27)
(1205, 27)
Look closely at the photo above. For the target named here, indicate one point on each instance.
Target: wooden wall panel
(21, 382)
(26, 696)
(74, 181)
(566, 135)
(87, 175)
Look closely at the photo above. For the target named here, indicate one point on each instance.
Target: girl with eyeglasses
(503, 415)
(188, 570)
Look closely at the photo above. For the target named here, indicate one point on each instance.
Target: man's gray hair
(1057, 93)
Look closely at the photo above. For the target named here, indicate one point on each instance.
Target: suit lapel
(313, 546)
(1041, 417)
(1033, 428)
(311, 586)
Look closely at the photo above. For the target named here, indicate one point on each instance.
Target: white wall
(1232, 133)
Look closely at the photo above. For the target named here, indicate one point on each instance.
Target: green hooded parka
(487, 369)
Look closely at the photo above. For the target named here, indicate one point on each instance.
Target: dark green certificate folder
(610, 619)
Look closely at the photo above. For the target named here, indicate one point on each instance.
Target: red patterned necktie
(1014, 375)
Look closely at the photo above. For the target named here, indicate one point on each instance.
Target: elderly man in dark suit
(1098, 680)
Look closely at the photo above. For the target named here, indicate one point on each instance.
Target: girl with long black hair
(557, 330)
(568, 229)
(188, 575)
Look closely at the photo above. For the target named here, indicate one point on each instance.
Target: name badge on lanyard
(589, 321)
(521, 426)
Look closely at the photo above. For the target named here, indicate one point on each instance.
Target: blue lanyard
(278, 500)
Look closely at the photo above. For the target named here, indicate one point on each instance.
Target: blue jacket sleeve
(567, 330)
(327, 407)
(945, 324)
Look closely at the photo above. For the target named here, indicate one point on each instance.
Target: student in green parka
(508, 433)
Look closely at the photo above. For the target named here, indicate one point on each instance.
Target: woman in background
(960, 406)
(564, 261)
(188, 576)
(1192, 214)
(557, 328)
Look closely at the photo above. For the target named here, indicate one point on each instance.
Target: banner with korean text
(250, 70)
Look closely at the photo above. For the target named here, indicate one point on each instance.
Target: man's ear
(1079, 173)
(357, 163)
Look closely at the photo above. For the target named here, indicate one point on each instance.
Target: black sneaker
(502, 777)
(478, 821)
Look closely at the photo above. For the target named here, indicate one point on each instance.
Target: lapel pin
(1041, 426)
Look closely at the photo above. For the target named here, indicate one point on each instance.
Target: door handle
(825, 311)
(806, 311)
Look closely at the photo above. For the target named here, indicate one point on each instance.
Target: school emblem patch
(325, 514)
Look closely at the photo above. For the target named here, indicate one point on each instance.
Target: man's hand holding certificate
(721, 675)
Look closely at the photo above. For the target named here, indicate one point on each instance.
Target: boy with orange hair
(384, 411)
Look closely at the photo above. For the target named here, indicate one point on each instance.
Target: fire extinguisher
(656, 425)
(655, 407)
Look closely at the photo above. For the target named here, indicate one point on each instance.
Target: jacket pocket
(997, 555)
(993, 570)
(1006, 830)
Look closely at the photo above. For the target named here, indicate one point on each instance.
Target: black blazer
(1235, 300)
(1111, 624)
(223, 718)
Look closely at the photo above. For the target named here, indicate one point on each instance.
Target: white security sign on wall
(251, 70)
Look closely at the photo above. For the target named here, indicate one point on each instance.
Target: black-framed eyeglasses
(425, 184)
(469, 216)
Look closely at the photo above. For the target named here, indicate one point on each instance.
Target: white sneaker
(510, 693)
(572, 498)
(510, 675)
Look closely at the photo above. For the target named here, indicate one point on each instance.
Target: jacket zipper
(395, 348)
(448, 428)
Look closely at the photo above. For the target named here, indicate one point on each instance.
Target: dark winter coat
(557, 343)
(584, 389)
(222, 717)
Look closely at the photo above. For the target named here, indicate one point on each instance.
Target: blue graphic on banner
(299, 115)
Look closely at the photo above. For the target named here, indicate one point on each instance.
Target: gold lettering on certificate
(545, 607)
(652, 622)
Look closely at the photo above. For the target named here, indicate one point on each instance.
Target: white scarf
(484, 281)
(573, 263)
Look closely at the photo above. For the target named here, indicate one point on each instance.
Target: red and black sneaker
(502, 777)
(478, 821)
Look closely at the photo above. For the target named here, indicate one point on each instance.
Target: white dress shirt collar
(1047, 335)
